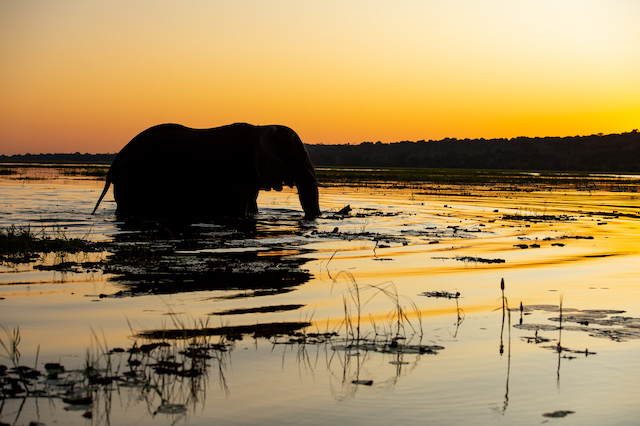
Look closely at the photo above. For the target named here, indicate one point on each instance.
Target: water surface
(550, 245)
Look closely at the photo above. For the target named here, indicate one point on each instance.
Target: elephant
(170, 172)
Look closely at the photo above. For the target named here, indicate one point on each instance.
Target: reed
(10, 346)
(24, 374)
(506, 314)
(399, 322)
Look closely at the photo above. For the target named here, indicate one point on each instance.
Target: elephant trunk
(308, 194)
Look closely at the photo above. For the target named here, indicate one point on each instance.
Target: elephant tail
(104, 192)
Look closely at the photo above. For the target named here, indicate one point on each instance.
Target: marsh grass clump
(88, 171)
(19, 244)
(402, 323)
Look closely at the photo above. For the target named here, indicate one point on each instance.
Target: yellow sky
(87, 76)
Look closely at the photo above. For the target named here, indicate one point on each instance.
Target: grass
(398, 323)
(10, 346)
(23, 376)
(90, 171)
(171, 376)
(22, 243)
(577, 180)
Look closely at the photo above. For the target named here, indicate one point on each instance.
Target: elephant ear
(268, 162)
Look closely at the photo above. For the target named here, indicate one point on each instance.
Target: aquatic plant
(23, 244)
(99, 171)
(10, 347)
(21, 381)
(398, 318)
(169, 376)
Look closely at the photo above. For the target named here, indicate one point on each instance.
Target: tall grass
(398, 321)
(10, 346)
(23, 242)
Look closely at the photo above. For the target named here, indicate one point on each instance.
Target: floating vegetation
(538, 217)
(616, 335)
(536, 327)
(441, 294)
(600, 323)
(547, 308)
(267, 330)
(387, 347)
(564, 350)
(559, 413)
(161, 261)
(171, 376)
(169, 367)
(472, 259)
(22, 244)
(171, 409)
(260, 309)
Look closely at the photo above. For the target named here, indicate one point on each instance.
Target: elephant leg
(252, 204)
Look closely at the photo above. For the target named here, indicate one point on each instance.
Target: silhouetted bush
(609, 153)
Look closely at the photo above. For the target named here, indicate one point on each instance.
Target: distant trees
(59, 158)
(595, 153)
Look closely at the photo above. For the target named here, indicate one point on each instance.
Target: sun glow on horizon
(88, 77)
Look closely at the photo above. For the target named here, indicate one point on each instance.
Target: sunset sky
(87, 76)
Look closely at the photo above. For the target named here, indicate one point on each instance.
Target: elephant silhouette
(171, 171)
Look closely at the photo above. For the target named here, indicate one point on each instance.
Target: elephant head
(281, 158)
(174, 172)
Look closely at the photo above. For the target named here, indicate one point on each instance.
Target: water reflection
(170, 371)
(246, 255)
(174, 371)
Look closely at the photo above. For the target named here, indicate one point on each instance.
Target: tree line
(58, 158)
(595, 153)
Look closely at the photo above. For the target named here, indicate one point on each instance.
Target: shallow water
(494, 366)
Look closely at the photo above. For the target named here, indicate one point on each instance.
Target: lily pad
(534, 327)
(559, 413)
(172, 409)
(363, 382)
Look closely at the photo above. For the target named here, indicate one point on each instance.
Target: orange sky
(88, 76)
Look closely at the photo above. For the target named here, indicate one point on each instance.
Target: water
(408, 240)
